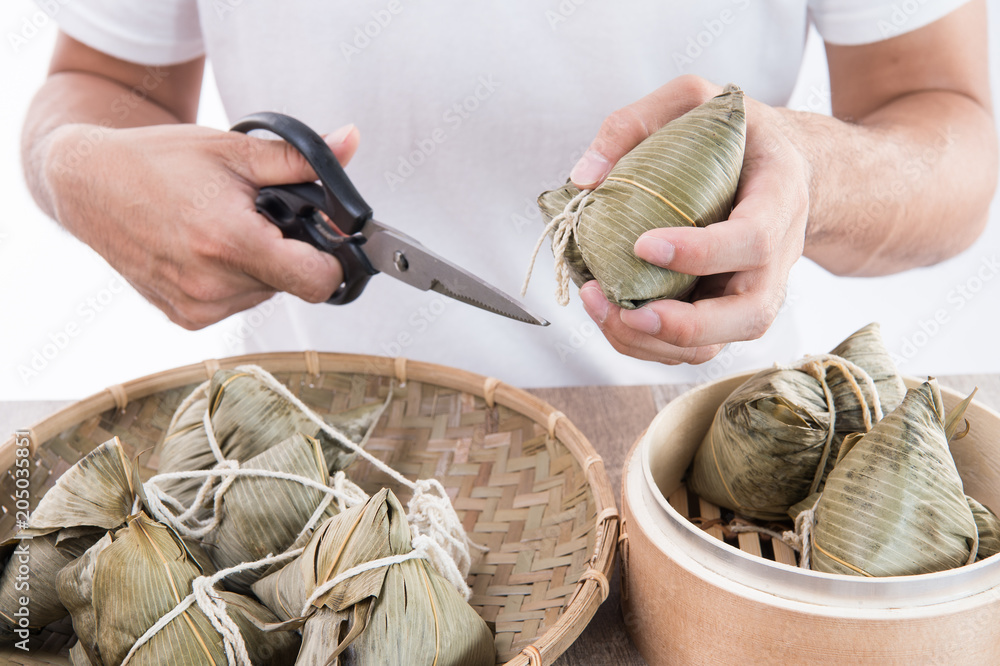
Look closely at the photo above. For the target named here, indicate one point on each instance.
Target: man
(468, 113)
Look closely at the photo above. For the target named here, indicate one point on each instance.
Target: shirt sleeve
(162, 32)
(851, 22)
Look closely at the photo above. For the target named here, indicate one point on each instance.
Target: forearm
(906, 186)
(94, 105)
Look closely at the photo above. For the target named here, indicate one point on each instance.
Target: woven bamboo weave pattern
(547, 517)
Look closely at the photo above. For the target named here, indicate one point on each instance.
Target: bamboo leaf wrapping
(141, 576)
(684, 174)
(248, 418)
(866, 349)
(45, 559)
(988, 527)
(763, 451)
(894, 505)
(262, 515)
(400, 614)
(94, 495)
(75, 584)
(98, 491)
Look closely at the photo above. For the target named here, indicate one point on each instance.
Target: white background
(69, 326)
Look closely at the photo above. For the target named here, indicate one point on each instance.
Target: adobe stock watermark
(563, 11)
(453, 118)
(818, 99)
(223, 8)
(251, 320)
(957, 298)
(528, 216)
(121, 107)
(20, 559)
(578, 337)
(883, 194)
(419, 322)
(703, 40)
(33, 24)
(211, 189)
(56, 342)
(364, 34)
(901, 14)
(215, 185)
(723, 362)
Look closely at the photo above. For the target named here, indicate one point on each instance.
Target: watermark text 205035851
(20, 560)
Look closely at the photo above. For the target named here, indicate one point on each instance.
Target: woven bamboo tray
(692, 593)
(525, 481)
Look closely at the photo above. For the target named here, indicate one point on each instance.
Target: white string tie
(801, 538)
(431, 514)
(424, 548)
(214, 607)
(562, 227)
(849, 370)
(350, 495)
(430, 511)
(347, 492)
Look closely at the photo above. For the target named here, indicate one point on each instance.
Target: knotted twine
(214, 607)
(562, 227)
(437, 534)
(817, 366)
(203, 593)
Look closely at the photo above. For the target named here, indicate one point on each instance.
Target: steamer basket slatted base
(697, 596)
(714, 522)
(525, 481)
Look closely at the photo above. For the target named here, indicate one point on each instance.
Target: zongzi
(247, 418)
(398, 612)
(96, 494)
(684, 174)
(776, 437)
(250, 529)
(139, 575)
(894, 504)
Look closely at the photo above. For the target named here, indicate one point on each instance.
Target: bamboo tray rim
(593, 586)
(794, 583)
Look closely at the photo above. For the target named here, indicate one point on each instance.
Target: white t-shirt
(467, 112)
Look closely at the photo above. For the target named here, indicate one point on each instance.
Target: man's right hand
(110, 150)
(171, 207)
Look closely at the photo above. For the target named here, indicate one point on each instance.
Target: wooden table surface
(612, 418)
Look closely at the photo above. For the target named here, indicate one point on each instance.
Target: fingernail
(642, 320)
(654, 250)
(591, 168)
(595, 303)
(339, 136)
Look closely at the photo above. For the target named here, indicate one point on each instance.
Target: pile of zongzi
(358, 616)
(215, 559)
(773, 440)
(862, 465)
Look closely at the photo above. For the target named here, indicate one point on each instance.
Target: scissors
(332, 217)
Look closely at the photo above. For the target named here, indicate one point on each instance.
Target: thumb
(629, 126)
(279, 163)
(344, 142)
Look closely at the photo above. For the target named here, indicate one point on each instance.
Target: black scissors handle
(299, 209)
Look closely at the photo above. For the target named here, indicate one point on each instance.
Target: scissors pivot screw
(399, 259)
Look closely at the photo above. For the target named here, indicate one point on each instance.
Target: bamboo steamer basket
(689, 597)
(525, 481)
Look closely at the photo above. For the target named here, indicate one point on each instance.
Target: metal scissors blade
(394, 253)
(333, 217)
